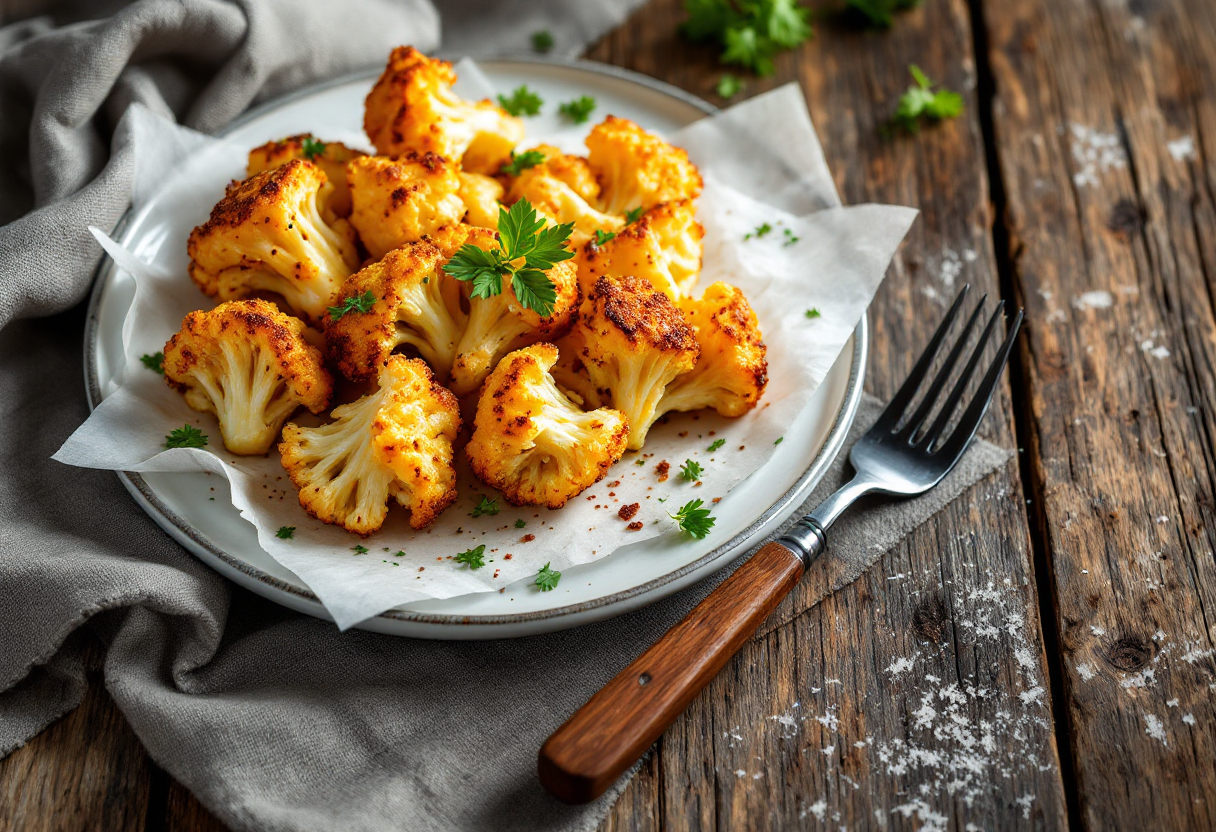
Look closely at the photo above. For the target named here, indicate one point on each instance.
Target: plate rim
(304, 599)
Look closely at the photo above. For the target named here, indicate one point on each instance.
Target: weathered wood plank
(1106, 124)
(918, 696)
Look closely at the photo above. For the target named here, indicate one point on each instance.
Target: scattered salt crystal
(1189, 719)
(1173, 703)
(1098, 631)
(819, 809)
(1024, 801)
(1093, 300)
(1033, 695)
(1154, 728)
(829, 750)
(740, 773)
(1182, 149)
(1094, 153)
(1024, 656)
(901, 665)
(1086, 671)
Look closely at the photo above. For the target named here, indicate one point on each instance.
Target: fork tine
(895, 408)
(960, 387)
(970, 421)
(943, 375)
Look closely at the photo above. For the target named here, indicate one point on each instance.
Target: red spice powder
(662, 469)
(635, 526)
(627, 512)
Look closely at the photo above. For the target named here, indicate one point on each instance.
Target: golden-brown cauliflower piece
(267, 234)
(563, 190)
(481, 195)
(393, 443)
(248, 363)
(572, 170)
(398, 201)
(732, 371)
(412, 107)
(410, 306)
(663, 246)
(637, 169)
(531, 442)
(331, 157)
(500, 323)
(632, 342)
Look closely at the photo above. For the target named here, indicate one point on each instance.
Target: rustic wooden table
(1042, 653)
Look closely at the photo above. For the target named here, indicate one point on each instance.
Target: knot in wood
(1126, 219)
(1129, 653)
(929, 619)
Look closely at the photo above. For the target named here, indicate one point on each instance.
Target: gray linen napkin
(275, 720)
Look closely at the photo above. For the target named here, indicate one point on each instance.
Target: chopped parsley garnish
(578, 110)
(881, 13)
(475, 558)
(542, 41)
(729, 86)
(790, 239)
(358, 303)
(633, 215)
(523, 102)
(921, 102)
(760, 230)
(485, 505)
(547, 578)
(640, 462)
(780, 439)
(690, 470)
(519, 524)
(400, 553)
(154, 362)
(752, 32)
(812, 313)
(717, 443)
(521, 234)
(313, 148)
(187, 436)
(693, 520)
(285, 532)
(359, 549)
(602, 236)
(520, 162)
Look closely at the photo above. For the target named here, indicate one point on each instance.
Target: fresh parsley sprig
(154, 362)
(691, 470)
(312, 148)
(633, 215)
(285, 532)
(475, 558)
(542, 41)
(359, 549)
(358, 303)
(717, 443)
(547, 578)
(521, 234)
(522, 102)
(693, 520)
(813, 312)
(752, 32)
(921, 102)
(602, 236)
(486, 505)
(578, 110)
(520, 162)
(187, 436)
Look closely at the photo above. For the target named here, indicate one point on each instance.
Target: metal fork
(899, 455)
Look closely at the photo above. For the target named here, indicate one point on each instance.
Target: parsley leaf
(881, 13)
(533, 289)
(780, 439)
(578, 110)
(285, 532)
(717, 443)
(920, 102)
(485, 506)
(640, 462)
(187, 436)
(694, 520)
(313, 148)
(522, 161)
(358, 303)
(519, 524)
(790, 239)
(761, 230)
(812, 313)
(542, 41)
(690, 470)
(475, 558)
(602, 236)
(729, 86)
(752, 32)
(483, 268)
(633, 215)
(523, 102)
(359, 549)
(547, 578)
(154, 362)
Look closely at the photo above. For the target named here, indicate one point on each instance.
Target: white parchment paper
(761, 162)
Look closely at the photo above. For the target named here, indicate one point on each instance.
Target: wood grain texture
(1109, 176)
(608, 734)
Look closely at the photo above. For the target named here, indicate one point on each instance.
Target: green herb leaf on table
(780, 439)
(752, 32)
(921, 102)
(717, 443)
(693, 520)
(691, 470)
(519, 524)
(154, 362)
(358, 303)
(881, 13)
(285, 532)
(639, 462)
(547, 578)
(187, 436)
(475, 558)
(578, 110)
(520, 162)
(760, 230)
(790, 239)
(729, 86)
(602, 236)
(633, 215)
(542, 41)
(812, 313)
(485, 505)
(522, 102)
(313, 148)
(359, 549)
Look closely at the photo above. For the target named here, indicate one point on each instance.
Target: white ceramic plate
(633, 576)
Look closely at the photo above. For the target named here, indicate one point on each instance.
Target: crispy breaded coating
(663, 246)
(531, 442)
(248, 363)
(398, 201)
(481, 195)
(636, 169)
(331, 158)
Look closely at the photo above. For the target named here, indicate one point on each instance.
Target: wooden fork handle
(608, 734)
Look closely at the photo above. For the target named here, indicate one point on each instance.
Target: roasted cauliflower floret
(531, 442)
(500, 323)
(556, 200)
(412, 107)
(663, 246)
(632, 342)
(267, 234)
(398, 201)
(410, 306)
(331, 157)
(572, 170)
(393, 443)
(636, 169)
(248, 363)
(481, 195)
(732, 371)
